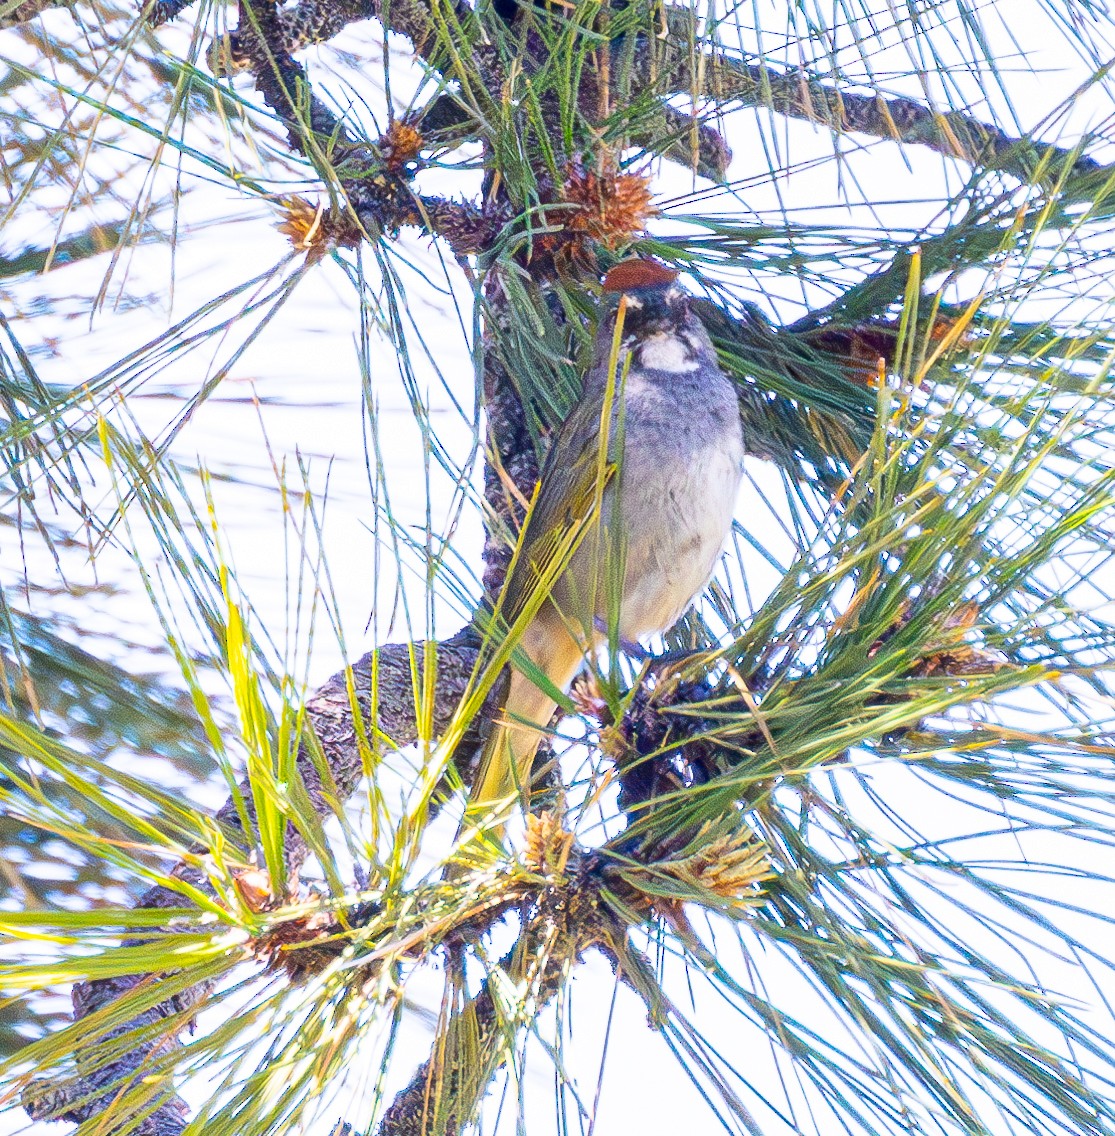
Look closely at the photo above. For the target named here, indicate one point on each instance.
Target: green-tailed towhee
(645, 472)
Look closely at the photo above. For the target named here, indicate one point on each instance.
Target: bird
(641, 481)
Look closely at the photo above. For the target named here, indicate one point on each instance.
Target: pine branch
(30, 259)
(384, 683)
(678, 64)
(303, 25)
(381, 199)
(672, 66)
(726, 78)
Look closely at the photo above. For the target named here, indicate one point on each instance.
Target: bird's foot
(675, 657)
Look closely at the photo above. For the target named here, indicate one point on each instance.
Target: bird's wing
(576, 471)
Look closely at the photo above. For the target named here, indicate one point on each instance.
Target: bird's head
(654, 299)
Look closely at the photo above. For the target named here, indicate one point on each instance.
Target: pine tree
(856, 820)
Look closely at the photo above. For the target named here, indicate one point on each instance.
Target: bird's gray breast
(679, 476)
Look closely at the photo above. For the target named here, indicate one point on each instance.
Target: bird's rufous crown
(638, 272)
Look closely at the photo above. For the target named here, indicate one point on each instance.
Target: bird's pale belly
(665, 532)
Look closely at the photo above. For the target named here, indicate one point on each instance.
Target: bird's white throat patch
(666, 352)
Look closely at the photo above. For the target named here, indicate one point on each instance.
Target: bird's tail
(504, 771)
